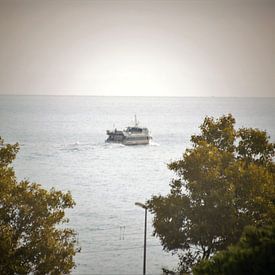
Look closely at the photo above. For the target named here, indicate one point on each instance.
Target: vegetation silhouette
(224, 183)
(33, 236)
(253, 254)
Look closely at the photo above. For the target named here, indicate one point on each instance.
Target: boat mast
(136, 122)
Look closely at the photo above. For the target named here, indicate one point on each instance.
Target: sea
(62, 145)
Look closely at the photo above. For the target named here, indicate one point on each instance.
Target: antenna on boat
(136, 122)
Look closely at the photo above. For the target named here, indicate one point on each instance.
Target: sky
(214, 48)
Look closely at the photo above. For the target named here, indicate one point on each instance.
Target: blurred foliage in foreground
(30, 240)
(253, 254)
(224, 183)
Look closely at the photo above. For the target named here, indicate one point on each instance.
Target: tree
(253, 254)
(33, 236)
(224, 182)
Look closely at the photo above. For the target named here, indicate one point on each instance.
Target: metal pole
(144, 253)
(145, 232)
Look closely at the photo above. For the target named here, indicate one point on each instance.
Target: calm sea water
(62, 146)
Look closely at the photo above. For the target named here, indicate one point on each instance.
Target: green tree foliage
(254, 254)
(224, 182)
(32, 237)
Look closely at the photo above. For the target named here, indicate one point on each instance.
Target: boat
(134, 135)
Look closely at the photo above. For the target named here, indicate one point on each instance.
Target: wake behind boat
(130, 136)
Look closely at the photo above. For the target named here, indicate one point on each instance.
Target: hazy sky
(157, 48)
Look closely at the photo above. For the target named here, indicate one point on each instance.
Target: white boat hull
(135, 142)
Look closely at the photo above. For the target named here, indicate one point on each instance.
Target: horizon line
(164, 96)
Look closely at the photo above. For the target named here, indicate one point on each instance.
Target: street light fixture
(145, 229)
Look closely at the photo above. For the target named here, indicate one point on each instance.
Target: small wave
(76, 146)
(35, 156)
(152, 143)
(79, 146)
(113, 145)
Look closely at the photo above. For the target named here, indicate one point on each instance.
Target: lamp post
(145, 229)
